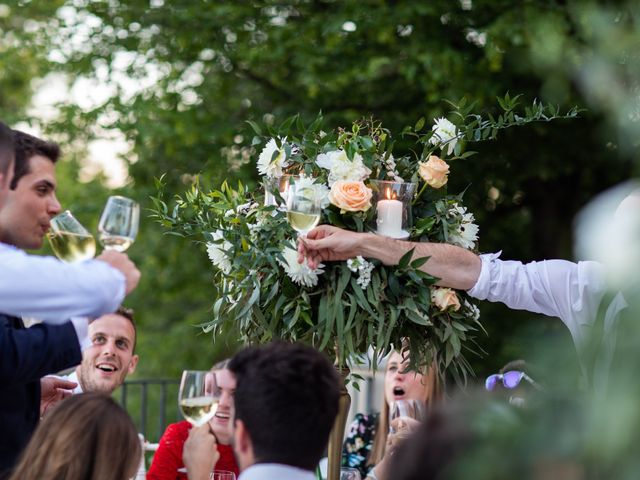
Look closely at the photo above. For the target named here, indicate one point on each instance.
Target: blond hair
(432, 393)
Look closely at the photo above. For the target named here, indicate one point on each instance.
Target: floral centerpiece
(344, 308)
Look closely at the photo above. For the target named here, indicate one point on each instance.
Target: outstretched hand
(52, 391)
(328, 243)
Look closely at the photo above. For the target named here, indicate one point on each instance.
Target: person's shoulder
(178, 430)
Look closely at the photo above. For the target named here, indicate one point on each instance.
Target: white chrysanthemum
(473, 310)
(445, 135)
(317, 192)
(300, 273)
(341, 168)
(363, 268)
(466, 233)
(272, 159)
(218, 252)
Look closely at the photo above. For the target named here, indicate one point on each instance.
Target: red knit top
(168, 458)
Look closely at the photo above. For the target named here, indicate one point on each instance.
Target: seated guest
(366, 441)
(167, 462)
(111, 356)
(285, 404)
(87, 437)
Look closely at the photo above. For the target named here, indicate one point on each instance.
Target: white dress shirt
(557, 288)
(275, 471)
(54, 291)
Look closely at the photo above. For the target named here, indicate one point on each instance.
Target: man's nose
(54, 206)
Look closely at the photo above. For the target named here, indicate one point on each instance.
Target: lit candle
(389, 217)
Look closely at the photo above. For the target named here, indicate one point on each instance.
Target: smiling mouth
(222, 415)
(106, 368)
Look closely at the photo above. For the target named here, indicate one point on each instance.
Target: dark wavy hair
(27, 146)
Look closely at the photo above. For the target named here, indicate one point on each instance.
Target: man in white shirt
(35, 286)
(48, 289)
(285, 404)
(570, 291)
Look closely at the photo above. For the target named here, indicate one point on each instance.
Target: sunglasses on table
(509, 380)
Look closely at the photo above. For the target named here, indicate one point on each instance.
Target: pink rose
(444, 298)
(350, 196)
(434, 172)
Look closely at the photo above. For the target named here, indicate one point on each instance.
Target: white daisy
(445, 135)
(272, 159)
(466, 233)
(341, 168)
(299, 273)
(218, 252)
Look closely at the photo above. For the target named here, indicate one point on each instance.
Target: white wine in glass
(199, 396)
(303, 206)
(69, 240)
(118, 225)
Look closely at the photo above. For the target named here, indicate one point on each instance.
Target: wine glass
(304, 206)
(69, 240)
(350, 474)
(118, 225)
(407, 408)
(222, 475)
(199, 396)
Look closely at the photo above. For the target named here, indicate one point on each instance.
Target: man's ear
(241, 438)
(132, 364)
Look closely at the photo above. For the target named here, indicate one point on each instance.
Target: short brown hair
(87, 437)
(27, 146)
(128, 314)
(6, 148)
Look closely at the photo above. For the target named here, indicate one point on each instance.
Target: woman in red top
(168, 458)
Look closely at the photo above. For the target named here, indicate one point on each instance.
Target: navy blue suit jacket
(26, 355)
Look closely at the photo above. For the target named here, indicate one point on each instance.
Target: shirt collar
(261, 471)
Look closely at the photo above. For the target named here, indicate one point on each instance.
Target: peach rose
(350, 196)
(434, 172)
(444, 298)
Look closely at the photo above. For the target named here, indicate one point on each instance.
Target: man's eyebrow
(48, 183)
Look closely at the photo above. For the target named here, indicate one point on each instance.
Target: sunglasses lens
(512, 379)
(490, 382)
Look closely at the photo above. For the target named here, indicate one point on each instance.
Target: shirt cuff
(483, 285)
(81, 326)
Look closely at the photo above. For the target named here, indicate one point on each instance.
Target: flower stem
(419, 193)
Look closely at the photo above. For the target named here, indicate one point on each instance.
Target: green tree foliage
(200, 69)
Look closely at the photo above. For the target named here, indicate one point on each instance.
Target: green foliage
(201, 69)
(253, 246)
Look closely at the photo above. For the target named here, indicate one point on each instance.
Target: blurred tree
(184, 76)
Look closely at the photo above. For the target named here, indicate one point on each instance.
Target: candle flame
(389, 195)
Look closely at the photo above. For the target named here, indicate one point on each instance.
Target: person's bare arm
(456, 267)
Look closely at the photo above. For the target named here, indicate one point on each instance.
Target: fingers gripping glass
(509, 380)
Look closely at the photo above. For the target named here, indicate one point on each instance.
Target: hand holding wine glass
(69, 240)
(407, 410)
(304, 206)
(118, 225)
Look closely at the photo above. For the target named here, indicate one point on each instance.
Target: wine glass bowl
(198, 396)
(414, 409)
(303, 206)
(119, 222)
(69, 240)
